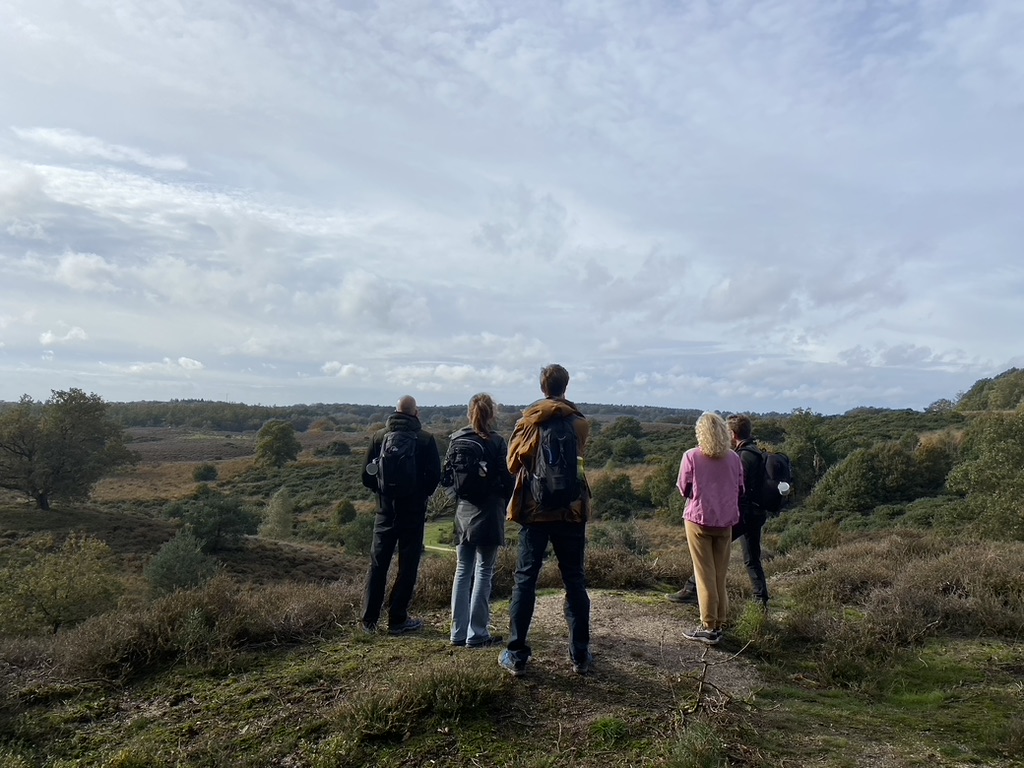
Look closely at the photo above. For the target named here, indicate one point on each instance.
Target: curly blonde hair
(713, 435)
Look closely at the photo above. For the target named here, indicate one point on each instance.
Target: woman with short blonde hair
(711, 478)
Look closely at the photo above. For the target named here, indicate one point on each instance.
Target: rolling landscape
(182, 588)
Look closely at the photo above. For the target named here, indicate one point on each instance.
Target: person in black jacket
(400, 522)
(479, 523)
(752, 517)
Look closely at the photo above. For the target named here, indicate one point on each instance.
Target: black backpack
(472, 467)
(554, 483)
(775, 469)
(396, 466)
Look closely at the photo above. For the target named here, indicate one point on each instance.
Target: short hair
(407, 405)
(739, 424)
(712, 435)
(482, 412)
(553, 380)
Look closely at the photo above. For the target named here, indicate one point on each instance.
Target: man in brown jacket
(551, 502)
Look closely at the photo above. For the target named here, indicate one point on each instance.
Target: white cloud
(74, 143)
(344, 370)
(49, 338)
(760, 204)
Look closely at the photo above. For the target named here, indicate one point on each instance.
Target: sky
(755, 205)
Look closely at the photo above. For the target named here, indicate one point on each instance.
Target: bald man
(401, 516)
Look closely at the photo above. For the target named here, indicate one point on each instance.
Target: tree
(624, 426)
(49, 587)
(279, 517)
(59, 448)
(179, 564)
(990, 477)
(276, 444)
(615, 498)
(217, 521)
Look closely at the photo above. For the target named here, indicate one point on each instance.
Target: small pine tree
(279, 516)
(179, 564)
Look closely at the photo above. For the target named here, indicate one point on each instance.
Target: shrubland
(167, 633)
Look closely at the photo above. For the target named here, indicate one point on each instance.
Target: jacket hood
(402, 422)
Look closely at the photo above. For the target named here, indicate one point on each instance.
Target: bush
(334, 448)
(625, 536)
(179, 564)
(344, 512)
(613, 497)
(47, 589)
(204, 473)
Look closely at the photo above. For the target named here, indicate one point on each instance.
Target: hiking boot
(684, 596)
(486, 642)
(368, 628)
(584, 667)
(407, 626)
(508, 662)
(703, 635)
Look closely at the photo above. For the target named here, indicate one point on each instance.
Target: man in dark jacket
(400, 521)
(752, 517)
(565, 526)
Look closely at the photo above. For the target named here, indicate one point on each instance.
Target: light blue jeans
(471, 594)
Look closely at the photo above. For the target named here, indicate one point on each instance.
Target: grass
(895, 648)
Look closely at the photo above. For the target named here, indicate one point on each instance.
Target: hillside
(893, 638)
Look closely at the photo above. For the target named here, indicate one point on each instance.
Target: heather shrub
(211, 623)
(625, 536)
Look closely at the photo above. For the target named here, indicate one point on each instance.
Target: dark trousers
(399, 523)
(748, 531)
(569, 542)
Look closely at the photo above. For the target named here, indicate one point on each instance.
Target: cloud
(759, 204)
(49, 338)
(167, 366)
(86, 272)
(74, 143)
(344, 370)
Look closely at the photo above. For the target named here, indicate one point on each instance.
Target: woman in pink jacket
(711, 478)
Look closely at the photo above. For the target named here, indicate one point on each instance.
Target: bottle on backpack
(776, 480)
(466, 465)
(396, 466)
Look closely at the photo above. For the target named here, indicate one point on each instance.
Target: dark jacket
(752, 480)
(428, 460)
(521, 449)
(482, 525)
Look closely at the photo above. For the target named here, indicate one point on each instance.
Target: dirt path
(636, 637)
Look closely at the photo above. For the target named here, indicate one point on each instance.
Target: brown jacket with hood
(522, 508)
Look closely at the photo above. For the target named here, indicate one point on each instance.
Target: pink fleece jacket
(716, 487)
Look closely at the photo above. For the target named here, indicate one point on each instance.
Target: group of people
(536, 480)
